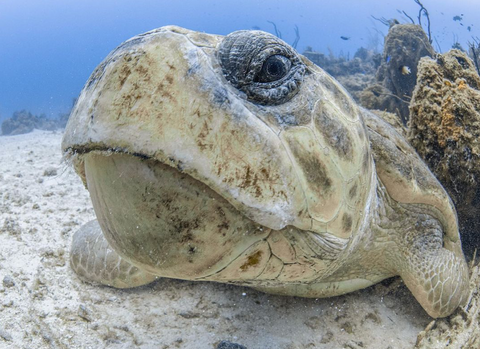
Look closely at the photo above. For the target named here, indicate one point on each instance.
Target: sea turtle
(235, 159)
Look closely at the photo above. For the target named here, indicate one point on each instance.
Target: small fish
(345, 37)
(405, 70)
(458, 18)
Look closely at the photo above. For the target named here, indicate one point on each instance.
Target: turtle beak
(165, 221)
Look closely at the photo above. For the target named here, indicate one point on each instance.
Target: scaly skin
(93, 260)
(437, 276)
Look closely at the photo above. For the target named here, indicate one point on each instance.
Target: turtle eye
(262, 66)
(274, 68)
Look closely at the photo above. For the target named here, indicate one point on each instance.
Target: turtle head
(196, 147)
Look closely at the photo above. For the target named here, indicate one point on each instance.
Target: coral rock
(445, 129)
(396, 77)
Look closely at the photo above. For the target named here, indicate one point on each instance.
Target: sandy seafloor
(44, 305)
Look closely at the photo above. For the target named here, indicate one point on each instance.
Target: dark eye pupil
(274, 68)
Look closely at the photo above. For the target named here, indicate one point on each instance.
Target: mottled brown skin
(235, 159)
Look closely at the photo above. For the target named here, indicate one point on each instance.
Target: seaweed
(439, 49)
(424, 11)
(410, 18)
(384, 21)
(297, 37)
(474, 52)
(278, 33)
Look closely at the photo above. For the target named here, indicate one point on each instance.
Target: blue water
(49, 48)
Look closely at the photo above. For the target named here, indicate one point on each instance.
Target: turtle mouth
(75, 156)
(160, 218)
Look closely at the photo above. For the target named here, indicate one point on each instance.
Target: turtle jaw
(163, 220)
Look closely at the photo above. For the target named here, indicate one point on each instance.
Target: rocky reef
(436, 104)
(25, 122)
(434, 101)
(355, 74)
(444, 128)
(396, 77)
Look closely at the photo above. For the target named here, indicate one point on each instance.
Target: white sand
(48, 306)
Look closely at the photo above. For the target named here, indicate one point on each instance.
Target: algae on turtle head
(235, 159)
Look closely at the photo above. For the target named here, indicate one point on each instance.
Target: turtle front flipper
(93, 260)
(437, 276)
(423, 222)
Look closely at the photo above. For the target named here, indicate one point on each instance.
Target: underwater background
(49, 48)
